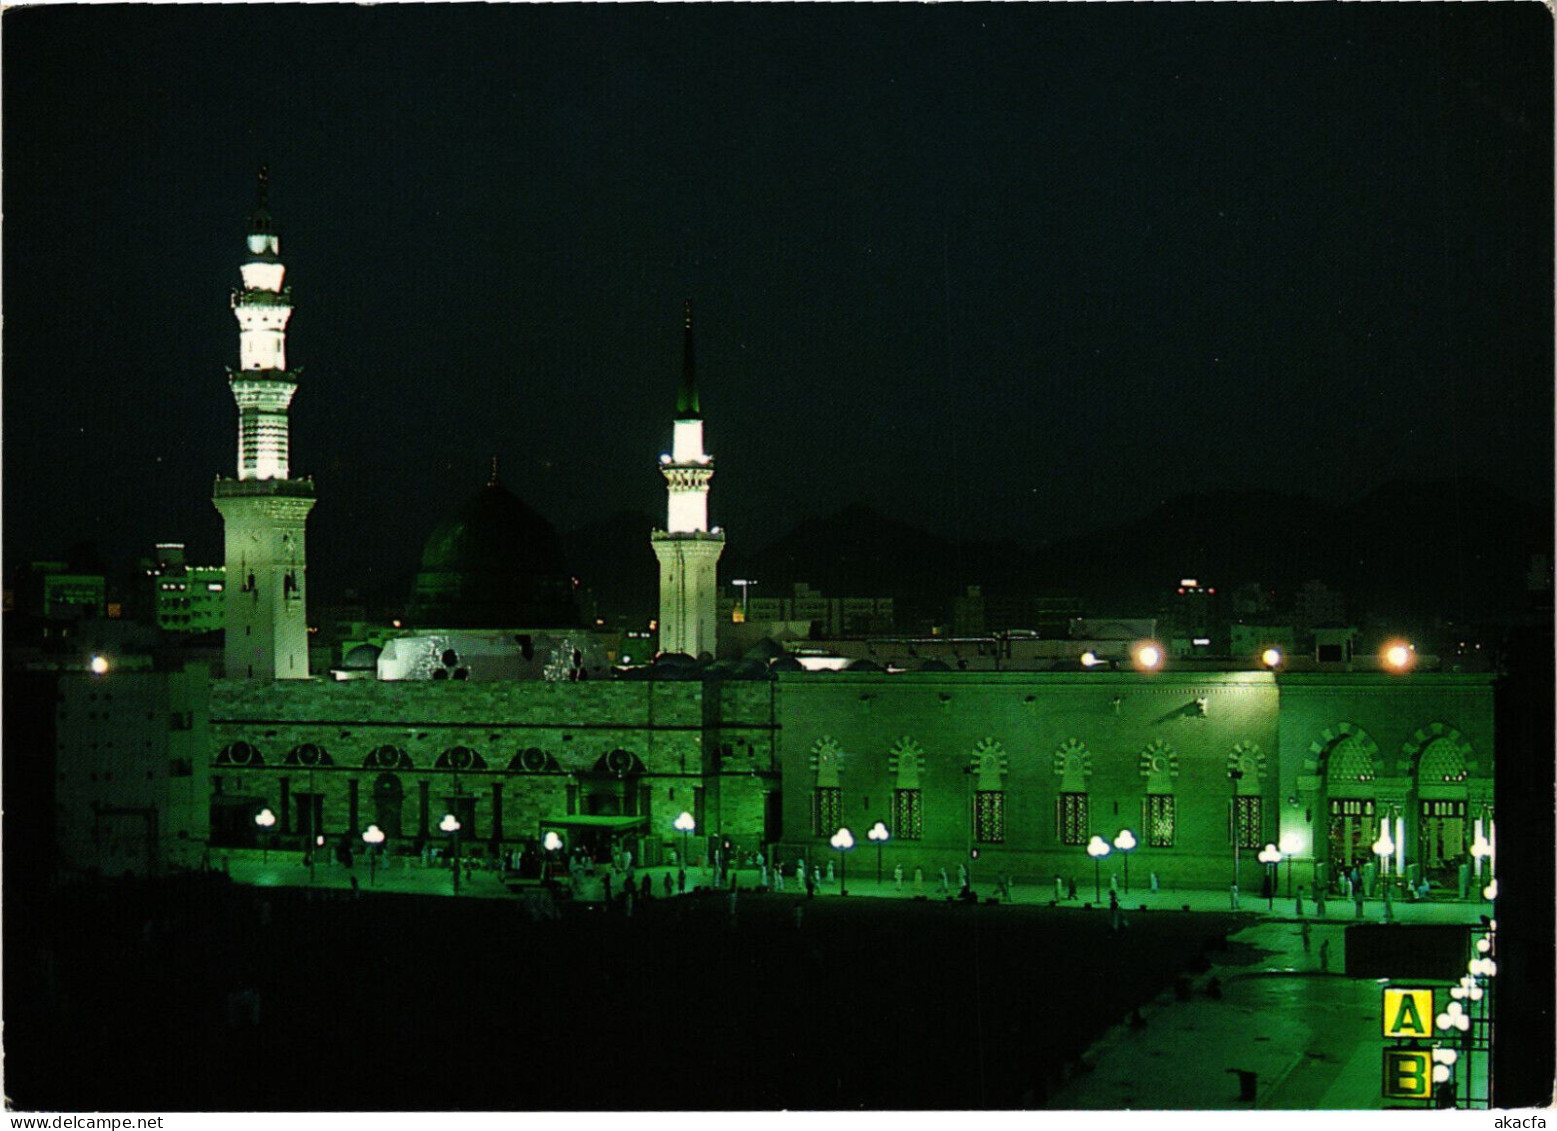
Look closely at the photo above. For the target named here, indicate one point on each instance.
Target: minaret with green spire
(264, 510)
(687, 549)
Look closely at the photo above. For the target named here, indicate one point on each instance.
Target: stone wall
(1116, 736)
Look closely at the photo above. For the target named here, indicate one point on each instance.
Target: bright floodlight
(1398, 656)
(1090, 660)
(1125, 841)
(684, 823)
(450, 823)
(1270, 854)
(1097, 848)
(1148, 657)
(1290, 843)
(1271, 658)
(1481, 846)
(551, 841)
(842, 840)
(99, 665)
(264, 818)
(878, 833)
(373, 835)
(1384, 845)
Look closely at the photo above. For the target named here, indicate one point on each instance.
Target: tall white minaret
(264, 510)
(687, 549)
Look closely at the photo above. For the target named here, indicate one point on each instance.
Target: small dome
(495, 564)
(865, 666)
(933, 666)
(765, 649)
(786, 664)
(675, 660)
(362, 658)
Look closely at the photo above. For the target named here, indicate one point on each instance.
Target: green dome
(495, 564)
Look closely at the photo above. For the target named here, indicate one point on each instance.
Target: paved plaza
(1285, 1012)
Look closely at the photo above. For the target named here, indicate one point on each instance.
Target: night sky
(1005, 271)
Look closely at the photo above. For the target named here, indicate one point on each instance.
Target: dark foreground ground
(118, 999)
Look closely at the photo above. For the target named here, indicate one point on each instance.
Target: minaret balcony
(260, 488)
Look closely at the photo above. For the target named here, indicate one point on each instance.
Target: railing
(252, 488)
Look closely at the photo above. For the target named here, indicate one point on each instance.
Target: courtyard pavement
(1309, 1034)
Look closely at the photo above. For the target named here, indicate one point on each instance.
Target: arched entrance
(388, 804)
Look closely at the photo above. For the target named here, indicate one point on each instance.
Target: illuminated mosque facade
(497, 707)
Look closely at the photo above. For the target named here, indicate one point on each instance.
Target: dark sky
(1011, 270)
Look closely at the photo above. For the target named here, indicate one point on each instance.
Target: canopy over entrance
(605, 824)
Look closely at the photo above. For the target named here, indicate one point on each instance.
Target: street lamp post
(1289, 847)
(843, 841)
(685, 824)
(1124, 842)
(1097, 848)
(879, 834)
(373, 837)
(1382, 848)
(1270, 856)
(451, 825)
(265, 819)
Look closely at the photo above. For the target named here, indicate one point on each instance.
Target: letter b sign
(1408, 1074)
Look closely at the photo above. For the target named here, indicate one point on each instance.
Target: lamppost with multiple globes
(1124, 842)
(373, 837)
(684, 824)
(451, 825)
(1384, 848)
(265, 819)
(1097, 848)
(843, 841)
(1289, 846)
(1270, 856)
(879, 834)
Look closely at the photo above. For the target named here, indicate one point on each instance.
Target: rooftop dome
(364, 657)
(495, 564)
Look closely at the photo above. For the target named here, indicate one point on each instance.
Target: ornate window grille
(826, 810)
(907, 816)
(1159, 820)
(989, 816)
(1074, 820)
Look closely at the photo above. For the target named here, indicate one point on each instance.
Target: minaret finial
(492, 482)
(686, 399)
(263, 185)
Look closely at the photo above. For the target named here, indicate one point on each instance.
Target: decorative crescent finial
(688, 308)
(263, 184)
(493, 481)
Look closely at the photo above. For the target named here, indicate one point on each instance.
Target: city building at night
(495, 705)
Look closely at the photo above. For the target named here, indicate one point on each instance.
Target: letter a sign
(1408, 1011)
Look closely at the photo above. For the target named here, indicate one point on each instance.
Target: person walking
(681, 880)
(1154, 883)
(1324, 957)
(918, 881)
(810, 883)
(1070, 889)
(945, 884)
(1113, 911)
(1300, 902)
(897, 878)
(668, 886)
(1059, 889)
(1232, 893)
(829, 873)
(1308, 935)
(1319, 900)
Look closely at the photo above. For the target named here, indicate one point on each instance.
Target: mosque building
(495, 705)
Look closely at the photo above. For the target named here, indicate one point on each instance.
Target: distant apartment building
(976, 612)
(186, 598)
(828, 616)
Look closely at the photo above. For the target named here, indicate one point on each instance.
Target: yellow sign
(1408, 1074)
(1408, 1011)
